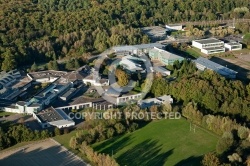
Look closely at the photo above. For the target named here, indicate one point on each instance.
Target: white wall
(30, 110)
(69, 124)
(174, 27)
(230, 47)
(46, 80)
(196, 44)
(13, 110)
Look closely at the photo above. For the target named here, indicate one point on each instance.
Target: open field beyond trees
(164, 142)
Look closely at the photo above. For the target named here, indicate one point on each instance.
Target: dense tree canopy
(44, 30)
(212, 92)
(246, 39)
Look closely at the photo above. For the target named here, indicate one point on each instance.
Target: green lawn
(64, 139)
(193, 52)
(164, 142)
(2, 113)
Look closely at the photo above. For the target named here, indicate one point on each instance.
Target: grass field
(164, 142)
(2, 113)
(193, 52)
(64, 139)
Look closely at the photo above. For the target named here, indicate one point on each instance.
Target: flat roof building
(163, 56)
(209, 46)
(161, 70)
(233, 45)
(53, 117)
(13, 85)
(132, 63)
(203, 63)
(46, 76)
(174, 27)
(137, 49)
(147, 103)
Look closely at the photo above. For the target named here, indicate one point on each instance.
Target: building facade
(209, 46)
(137, 49)
(163, 56)
(174, 27)
(203, 64)
(232, 46)
(53, 117)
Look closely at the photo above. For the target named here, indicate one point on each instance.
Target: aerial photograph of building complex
(129, 83)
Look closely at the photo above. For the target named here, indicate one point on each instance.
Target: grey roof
(208, 41)
(112, 92)
(21, 103)
(155, 101)
(136, 47)
(215, 66)
(124, 48)
(166, 54)
(233, 44)
(49, 115)
(172, 25)
(150, 45)
(69, 92)
(154, 31)
(47, 74)
(75, 75)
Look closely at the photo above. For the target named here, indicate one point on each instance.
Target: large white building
(233, 45)
(209, 46)
(203, 63)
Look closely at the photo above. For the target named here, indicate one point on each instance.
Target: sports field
(43, 153)
(164, 142)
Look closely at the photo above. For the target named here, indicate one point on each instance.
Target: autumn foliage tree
(122, 76)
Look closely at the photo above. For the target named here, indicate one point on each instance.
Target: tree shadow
(190, 161)
(242, 72)
(147, 153)
(116, 145)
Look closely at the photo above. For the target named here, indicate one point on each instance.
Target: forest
(43, 30)
(213, 93)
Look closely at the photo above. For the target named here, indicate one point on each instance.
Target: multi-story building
(163, 56)
(233, 45)
(209, 46)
